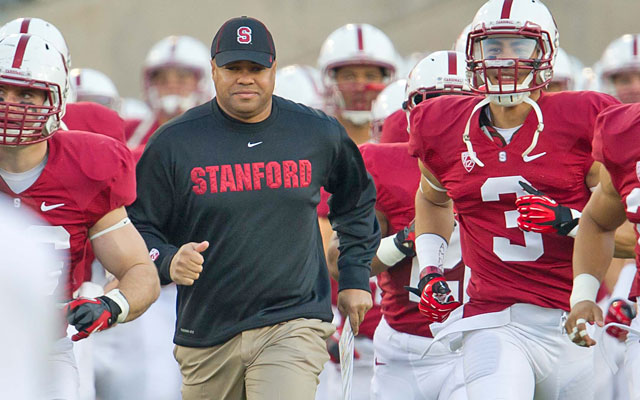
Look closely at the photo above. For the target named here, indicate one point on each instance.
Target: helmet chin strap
(357, 117)
(534, 141)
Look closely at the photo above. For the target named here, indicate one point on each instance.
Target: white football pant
(530, 357)
(632, 361)
(400, 372)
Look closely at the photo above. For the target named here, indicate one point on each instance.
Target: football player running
(515, 181)
(614, 201)
(79, 183)
(403, 333)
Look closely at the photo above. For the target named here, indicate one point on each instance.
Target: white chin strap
(174, 104)
(525, 155)
(357, 117)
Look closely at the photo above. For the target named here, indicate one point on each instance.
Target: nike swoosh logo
(531, 158)
(46, 208)
(253, 144)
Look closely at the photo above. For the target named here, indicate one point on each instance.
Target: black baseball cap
(243, 39)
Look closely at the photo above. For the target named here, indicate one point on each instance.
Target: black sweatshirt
(251, 190)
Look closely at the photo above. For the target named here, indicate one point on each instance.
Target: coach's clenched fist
(186, 264)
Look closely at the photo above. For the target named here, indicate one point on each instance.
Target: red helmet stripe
(360, 38)
(453, 62)
(24, 26)
(78, 80)
(635, 45)
(506, 9)
(22, 46)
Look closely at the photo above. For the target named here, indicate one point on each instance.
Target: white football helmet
(131, 108)
(355, 44)
(528, 31)
(91, 85)
(299, 83)
(563, 73)
(388, 101)
(42, 28)
(182, 52)
(31, 62)
(621, 55)
(441, 72)
(532, 25)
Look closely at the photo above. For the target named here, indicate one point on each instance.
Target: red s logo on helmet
(244, 35)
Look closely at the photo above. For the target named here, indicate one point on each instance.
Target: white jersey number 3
(502, 247)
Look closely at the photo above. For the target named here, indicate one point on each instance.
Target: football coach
(227, 197)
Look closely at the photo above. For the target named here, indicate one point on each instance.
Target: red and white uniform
(616, 144)
(521, 279)
(86, 176)
(94, 117)
(138, 132)
(403, 334)
(394, 129)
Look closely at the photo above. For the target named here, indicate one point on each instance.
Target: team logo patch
(244, 35)
(638, 170)
(153, 254)
(467, 162)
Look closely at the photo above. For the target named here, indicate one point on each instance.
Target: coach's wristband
(585, 287)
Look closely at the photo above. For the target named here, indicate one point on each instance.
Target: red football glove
(436, 301)
(91, 315)
(621, 312)
(540, 213)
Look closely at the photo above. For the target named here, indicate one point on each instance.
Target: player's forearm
(141, 287)
(433, 218)
(593, 248)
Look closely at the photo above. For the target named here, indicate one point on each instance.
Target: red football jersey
(94, 117)
(397, 176)
(508, 265)
(139, 131)
(616, 144)
(394, 129)
(86, 176)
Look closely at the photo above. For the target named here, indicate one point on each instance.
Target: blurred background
(114, 36)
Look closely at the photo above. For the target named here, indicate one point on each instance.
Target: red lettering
(256, 169)
(226, 179)
(212, 170)
(200, 184)
(290, 173)
(243, 176)
(274, 175)
(305, 173)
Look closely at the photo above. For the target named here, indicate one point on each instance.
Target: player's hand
(621, 312)
(186, 264)
(355, 303)
(582, 313)
(404, 240)
(333, 348)
(436, 301)
(540, 213)
(90, 315)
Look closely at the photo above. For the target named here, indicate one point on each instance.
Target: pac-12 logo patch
(467, 162)
(153, 254)
(244, 35)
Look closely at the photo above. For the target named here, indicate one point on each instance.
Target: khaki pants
(278, 362)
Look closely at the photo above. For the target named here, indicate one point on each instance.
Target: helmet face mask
(41, 68)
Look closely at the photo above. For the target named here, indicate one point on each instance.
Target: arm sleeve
(151, 212)
(352, 214)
